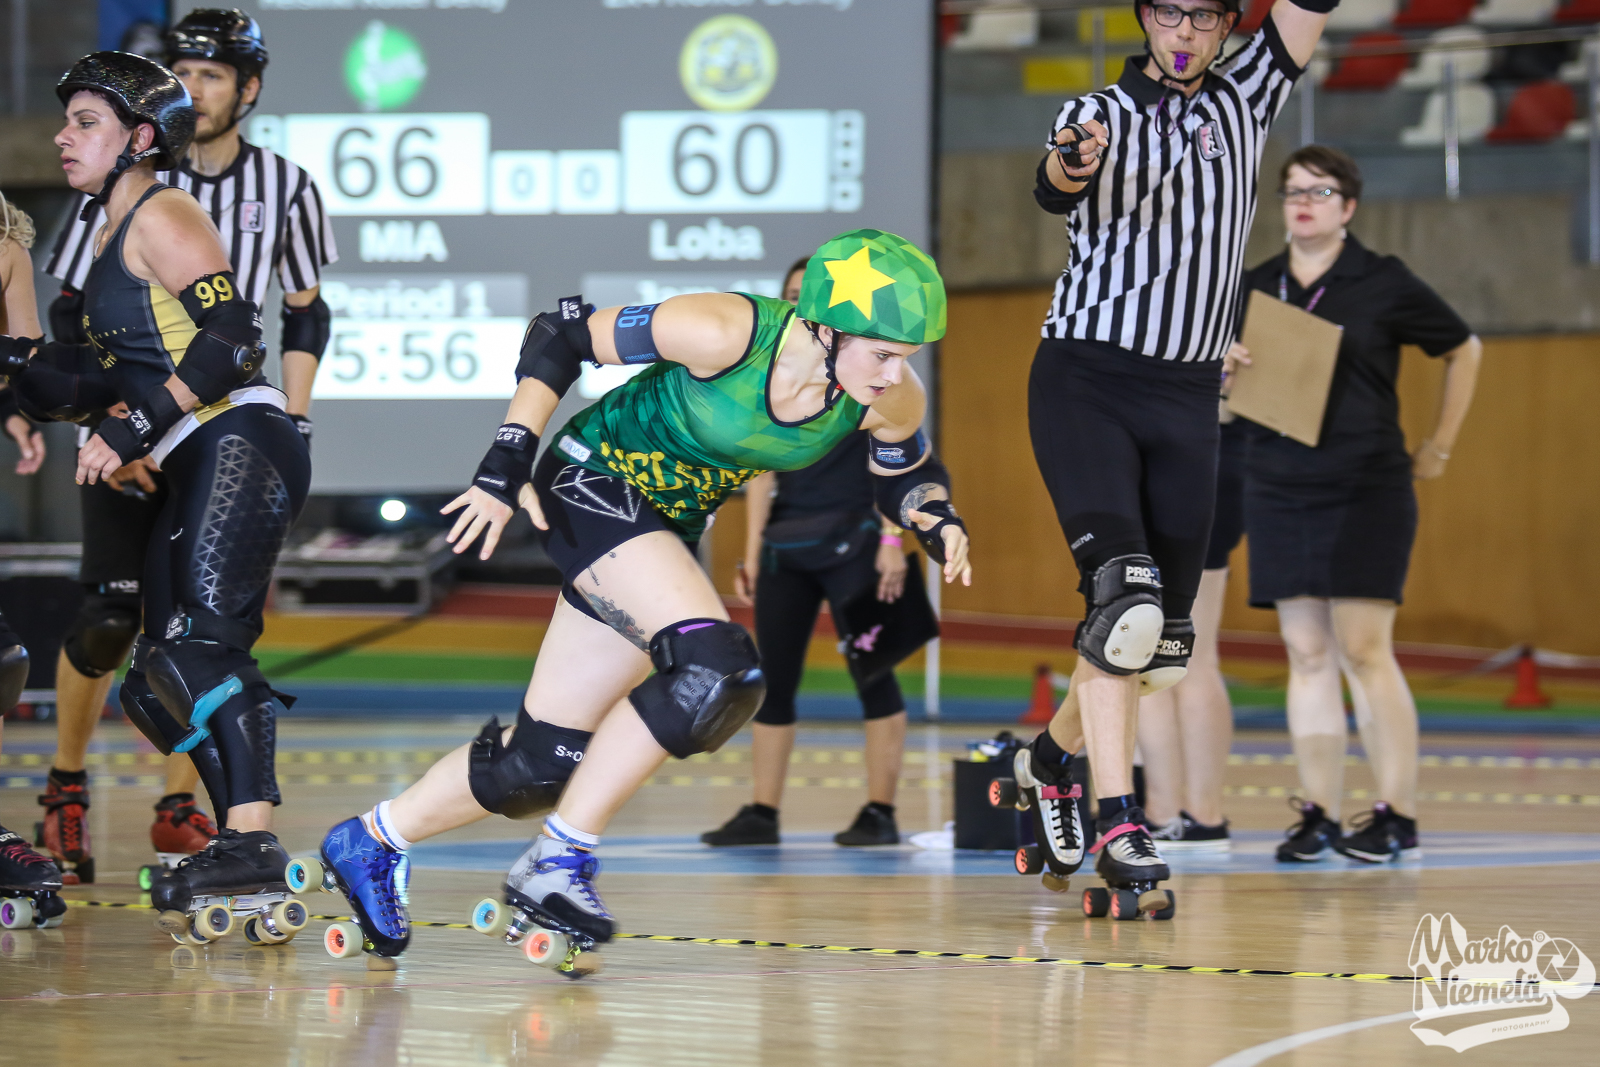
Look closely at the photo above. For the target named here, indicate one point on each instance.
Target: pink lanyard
(1283, 292)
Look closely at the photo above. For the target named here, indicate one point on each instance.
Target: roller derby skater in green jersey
(640, 661)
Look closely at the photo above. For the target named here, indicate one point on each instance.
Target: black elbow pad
(226, 351)
(306, 329)
(556, 344)
(66, 317)
(47, 394)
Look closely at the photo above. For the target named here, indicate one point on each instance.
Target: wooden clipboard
(1292, 356)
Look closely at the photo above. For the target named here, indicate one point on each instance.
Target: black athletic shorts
(1227, 525)
(116, 535)
(1127, 446)
(589, 514)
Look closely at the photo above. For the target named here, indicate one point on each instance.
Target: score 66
(394, 164)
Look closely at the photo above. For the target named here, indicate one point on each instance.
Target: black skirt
(1336, 538)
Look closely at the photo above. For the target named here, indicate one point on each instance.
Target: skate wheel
(16, 912)
(343, 940)
(490, 917)
(175, 923)
(304, 874)
(257, 933)
(212, 922)
(288, 918)
(50, 923)
(1029, 860)
(546, 948)
(1003, 793)
(148, 875)
(1124, 904)
(1056, 883)
(1096, 902)
(1170, 910)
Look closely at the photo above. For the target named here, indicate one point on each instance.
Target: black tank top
(138, 329)
(839, 481)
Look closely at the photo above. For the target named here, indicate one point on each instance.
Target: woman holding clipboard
(1331, 527)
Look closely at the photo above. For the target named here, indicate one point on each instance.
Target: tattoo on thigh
(618, 620)
(915, 499)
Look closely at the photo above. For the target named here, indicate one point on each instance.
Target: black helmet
(142, 90)
(230, 37)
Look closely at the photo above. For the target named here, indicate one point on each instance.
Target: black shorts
(1227, 525)
(787, 602)
(1127, 446)
(588, 514)
(116, 535)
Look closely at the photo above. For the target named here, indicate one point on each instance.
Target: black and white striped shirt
(1158, 235)
(267, 209)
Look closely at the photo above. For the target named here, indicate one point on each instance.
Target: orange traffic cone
(1042, 708)
(1527, 694)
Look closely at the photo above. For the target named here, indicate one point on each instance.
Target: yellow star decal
(855, 279)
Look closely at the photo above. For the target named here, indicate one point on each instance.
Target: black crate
(979, 824)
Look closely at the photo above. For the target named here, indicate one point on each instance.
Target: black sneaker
(874, 825)
(1184, 834)
(1309, 838)
(752, 826)
(1380, 835)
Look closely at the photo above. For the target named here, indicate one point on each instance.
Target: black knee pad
(103, 633)
(1125, 620)
(708, 683)
(13, 673)
(205, 665)
(524, 779)
(1171, 661)
(145, 710)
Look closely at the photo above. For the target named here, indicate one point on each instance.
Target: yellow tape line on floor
(739, 942)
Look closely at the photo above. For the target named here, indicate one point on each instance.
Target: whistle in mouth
(1179, 62)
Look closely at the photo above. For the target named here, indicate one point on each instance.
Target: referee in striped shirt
(271, 221)
(1157, 177)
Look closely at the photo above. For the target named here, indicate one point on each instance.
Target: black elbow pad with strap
(46, 394)
(226, 351)
(555, 345)
(306, 329)
(896, 494)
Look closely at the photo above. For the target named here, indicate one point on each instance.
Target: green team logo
(384, 67)
(728, 63)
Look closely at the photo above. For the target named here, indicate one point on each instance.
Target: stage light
(392, 510)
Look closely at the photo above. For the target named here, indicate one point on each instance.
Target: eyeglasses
(1201, 18)
(1322, 192)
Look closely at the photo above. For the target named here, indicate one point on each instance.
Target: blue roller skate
(372, 878)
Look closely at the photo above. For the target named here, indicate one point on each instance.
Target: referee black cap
(141, 90)
(230, 37)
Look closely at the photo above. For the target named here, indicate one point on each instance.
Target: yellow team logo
(728, 63)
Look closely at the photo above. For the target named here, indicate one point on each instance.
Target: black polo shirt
(1381, 306)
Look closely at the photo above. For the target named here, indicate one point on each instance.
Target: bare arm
(1460, 381)
(757, 511)
(1299, 28)
(299, 368)
(16, 279)
(706, 332)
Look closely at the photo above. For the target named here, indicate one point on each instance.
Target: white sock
(380, 824)
(559, 829)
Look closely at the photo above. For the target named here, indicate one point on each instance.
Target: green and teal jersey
(687, 442)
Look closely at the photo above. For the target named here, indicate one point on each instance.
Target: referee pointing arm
(1157, 178)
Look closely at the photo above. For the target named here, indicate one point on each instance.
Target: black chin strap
(125, 160)
(835, 390)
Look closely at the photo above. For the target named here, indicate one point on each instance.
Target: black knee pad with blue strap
(707, 685)
(526, 777)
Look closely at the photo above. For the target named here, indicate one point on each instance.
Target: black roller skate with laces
(1126, 857)
(30, 886)
(238, 875)
(551, 909)
(1047, 791)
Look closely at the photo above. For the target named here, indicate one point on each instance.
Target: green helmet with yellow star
(874, 284)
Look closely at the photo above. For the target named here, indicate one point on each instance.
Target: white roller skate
(551, 908)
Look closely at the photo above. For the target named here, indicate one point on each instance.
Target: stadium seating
(1369, 72)
(1425, 14)
(1474, 116)
(1536, 113)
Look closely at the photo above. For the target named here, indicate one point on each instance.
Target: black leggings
(1127, 446)
(237, 483)
(787, 602)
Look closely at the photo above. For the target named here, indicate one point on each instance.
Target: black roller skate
(1050, 794)
(551, 908)
(238, 875)
(1127, 859)
(30, 886)
(64, 833)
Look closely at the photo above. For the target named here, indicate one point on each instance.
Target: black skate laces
(1311, 815)
(1366, 820)
(582, 869)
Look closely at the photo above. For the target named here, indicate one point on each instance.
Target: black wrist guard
(138, 434)
(47, 394)
(508, 464)
(933, 540)
(897, 494)
(14, 354)
(556, 343)
(66, 317)
(1320, 7)
(303, 424)
(306, 329)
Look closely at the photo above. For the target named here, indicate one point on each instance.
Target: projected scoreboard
(482, 159)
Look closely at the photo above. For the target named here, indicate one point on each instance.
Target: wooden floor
(107, 988)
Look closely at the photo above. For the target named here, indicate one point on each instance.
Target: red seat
(1428, 13)
(1255, 14)
(1579, 11)
(1538, 112)
(1370, 72)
